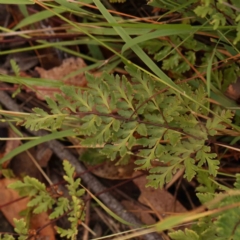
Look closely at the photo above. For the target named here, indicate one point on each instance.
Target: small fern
(41, 200)
(16, 70)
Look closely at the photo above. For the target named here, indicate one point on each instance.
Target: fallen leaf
(13, 207)
(9, 198)
(10, 145)
(40, 220)
(159, 200)
(141, 212)
(55, 74)
(22, 165)
(43, 154)
(233, 90)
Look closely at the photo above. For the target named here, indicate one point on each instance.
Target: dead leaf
(233, 90)
(55, 74)
(159, 200)
(40, 220)
(43, 154)
(22, 165)
(10, 145)
(141, 212)
(13, 207)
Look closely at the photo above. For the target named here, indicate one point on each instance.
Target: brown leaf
(10, 145)
(22, 165)
(141, 212)
(233, 90)
(159, 200)
(43, 154)
(13, 207)
(8, 196)
(40, 220)
(55, 74)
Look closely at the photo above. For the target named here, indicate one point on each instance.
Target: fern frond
(140, 114)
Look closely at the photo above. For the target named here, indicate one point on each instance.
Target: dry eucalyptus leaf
(12, 209)
(57, 73)
(159, 200)
(141, 212)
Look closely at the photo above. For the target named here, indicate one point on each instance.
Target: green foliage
(186, 235)
(75, 207)
(218, 15)
(92, 157)
(42, 200)
(45, 121)
(142, 114)
(21, 229)
(139, 116)
(15, 67)
(37, 191)
(16, 70)
(222, 225)
(6, 237)
(169, 55)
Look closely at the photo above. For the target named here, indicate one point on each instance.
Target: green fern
(42, 200)
(112, 110)
(21, 229)
(16, 70)
(6, 237)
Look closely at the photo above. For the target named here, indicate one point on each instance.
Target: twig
(92, 183)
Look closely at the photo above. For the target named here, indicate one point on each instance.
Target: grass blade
(170, 30)
(38, 17)
(18, 2)
(26, 146)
